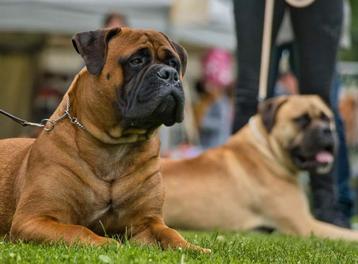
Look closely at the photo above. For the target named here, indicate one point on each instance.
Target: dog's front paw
(198, 248)
(103, 241)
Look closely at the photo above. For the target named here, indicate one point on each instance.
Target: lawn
(226, 247)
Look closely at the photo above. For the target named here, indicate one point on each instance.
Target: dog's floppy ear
(92, 46)
(180, 51)
(182, 55)
(268, 110)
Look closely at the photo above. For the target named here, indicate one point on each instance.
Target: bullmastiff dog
(251, 181)
(95, 170)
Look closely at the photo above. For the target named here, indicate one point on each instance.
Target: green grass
(227, 248)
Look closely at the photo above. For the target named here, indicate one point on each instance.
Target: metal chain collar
(49, 124)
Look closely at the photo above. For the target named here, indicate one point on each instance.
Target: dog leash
(20, 121)
(47, 124)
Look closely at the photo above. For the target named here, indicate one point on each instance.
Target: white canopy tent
(78, 15)
(70, 16)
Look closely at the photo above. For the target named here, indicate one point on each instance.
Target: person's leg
(277, 54)
(249, 17)
(317, 29)
(342, 170)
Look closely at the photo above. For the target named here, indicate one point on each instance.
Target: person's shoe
(325, 209)
(325, 204)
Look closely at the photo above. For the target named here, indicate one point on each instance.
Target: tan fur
(75, 185)
(248, 182)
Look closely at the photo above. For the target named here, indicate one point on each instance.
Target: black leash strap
(47, 124)
(20, 121)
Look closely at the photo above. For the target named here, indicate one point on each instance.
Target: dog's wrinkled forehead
(101, 47)
(297, 105)
(130, 40)
(158, 45)
(285, 109)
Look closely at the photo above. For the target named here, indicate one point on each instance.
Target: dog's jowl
(95, 167)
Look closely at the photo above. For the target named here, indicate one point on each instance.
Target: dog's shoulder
(13, 149)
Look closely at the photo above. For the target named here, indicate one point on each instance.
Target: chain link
(49, 125)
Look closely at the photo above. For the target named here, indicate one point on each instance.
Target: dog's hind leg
(311, 226)
(292, 216)
(325, 230)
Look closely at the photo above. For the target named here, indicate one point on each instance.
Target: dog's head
(138, 72)
(303, 128)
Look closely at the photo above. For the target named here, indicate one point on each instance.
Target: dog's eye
(173, 63)
(303, 120)
(324, 117)
(136, 61)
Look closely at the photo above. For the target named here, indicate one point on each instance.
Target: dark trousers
(341, 170)
(317, 30)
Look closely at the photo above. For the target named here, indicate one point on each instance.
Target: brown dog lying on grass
(251, 181)
(95, 168)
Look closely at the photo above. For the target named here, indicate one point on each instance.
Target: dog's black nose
(326, 131)
(326, 137)
(168, 74)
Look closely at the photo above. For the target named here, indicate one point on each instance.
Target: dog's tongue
(324, 157)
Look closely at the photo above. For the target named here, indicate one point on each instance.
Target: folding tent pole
(266, 49)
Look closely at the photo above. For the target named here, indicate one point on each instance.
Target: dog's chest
(103, 205)
(102, 213)
(114, 165)
(109, 219)
(129, 190)
(99, 210)
(125, 203)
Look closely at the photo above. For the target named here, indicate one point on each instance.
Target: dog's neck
(100, 146)
(128, 159)
(100, 119)
(270, 148)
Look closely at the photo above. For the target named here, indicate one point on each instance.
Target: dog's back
(12, 154)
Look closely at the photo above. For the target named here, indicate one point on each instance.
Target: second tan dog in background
(251, 181)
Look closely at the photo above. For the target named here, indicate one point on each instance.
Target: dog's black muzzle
(153, 98)
(317, 150)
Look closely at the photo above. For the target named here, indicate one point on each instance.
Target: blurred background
(38, 63)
